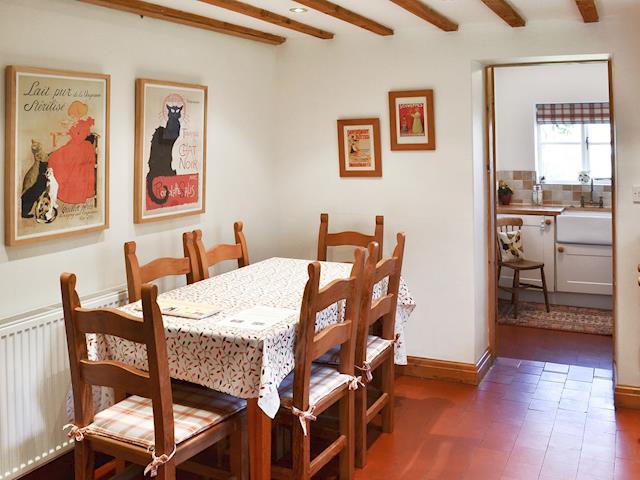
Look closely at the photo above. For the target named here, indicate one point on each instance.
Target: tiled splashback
(522, 182)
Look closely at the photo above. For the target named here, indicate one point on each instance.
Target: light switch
(636, 194)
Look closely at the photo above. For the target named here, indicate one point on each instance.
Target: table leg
(259, 426)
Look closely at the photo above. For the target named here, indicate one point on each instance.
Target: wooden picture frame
(170, 151)
(359, 147)
(411, 120)
(56, 153)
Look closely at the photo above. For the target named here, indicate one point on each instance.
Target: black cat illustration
(160, 156)
(35, 180)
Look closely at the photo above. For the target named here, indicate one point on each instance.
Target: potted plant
(504, 193)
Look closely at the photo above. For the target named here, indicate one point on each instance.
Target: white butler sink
(585, 227)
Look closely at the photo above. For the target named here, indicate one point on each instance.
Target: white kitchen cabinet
(538, 242)
(584, 268)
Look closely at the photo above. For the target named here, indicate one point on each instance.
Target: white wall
(240, 75)
(433, 196)
(519, 89)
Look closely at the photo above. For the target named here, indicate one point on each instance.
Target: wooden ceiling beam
(505, 11)
(271, 17)
(330, 8)
(427, 13)
(588, 10)
(168, 14)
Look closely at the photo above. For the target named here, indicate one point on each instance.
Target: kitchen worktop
(547, 210)
(551, 210)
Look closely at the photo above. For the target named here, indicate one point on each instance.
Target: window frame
(585, 152)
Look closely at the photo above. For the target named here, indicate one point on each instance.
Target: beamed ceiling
(272, 22)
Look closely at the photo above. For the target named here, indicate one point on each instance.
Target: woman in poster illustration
(73, 164)
(417, 127)
(353, 144)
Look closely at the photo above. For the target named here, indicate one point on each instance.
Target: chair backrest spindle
(350, 238)
(311, 345)
(382, 309)
(206, 259)
(160, 267)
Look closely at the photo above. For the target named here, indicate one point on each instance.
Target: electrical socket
(636, 194)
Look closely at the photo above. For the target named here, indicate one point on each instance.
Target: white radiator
(34, 383)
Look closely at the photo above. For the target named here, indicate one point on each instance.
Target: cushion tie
(304, 416)
(355, 382)
(157, 462)
(366, 369)
(75, 432)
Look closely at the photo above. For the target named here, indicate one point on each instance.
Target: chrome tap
(600, 202)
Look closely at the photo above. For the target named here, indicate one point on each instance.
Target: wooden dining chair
(514, 224)
(154, 426)
(377, 352)
(160, 267)
(312, 388)
(206, 259)
(375, 343)
(355, 239)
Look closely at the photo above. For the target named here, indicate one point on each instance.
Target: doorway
(550, 147)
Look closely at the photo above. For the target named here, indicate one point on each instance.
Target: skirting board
(626, 396)
(469, 373)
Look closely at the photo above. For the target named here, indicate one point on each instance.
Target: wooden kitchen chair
(373, 352)
(355, 239)
(513, 224)
(155, 426)
(312, 388)
(208, 258)
(160, 267)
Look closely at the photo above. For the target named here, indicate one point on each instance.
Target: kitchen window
(571, 138)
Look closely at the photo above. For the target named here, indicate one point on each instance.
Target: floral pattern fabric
(246, 363)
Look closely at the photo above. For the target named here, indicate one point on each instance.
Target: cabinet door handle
(561, 249)
(547, 222)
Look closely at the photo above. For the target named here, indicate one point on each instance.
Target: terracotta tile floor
(568, 348)
(527, 420)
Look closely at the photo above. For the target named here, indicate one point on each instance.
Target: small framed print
(359, 147)
(170, 159)
(411, 117)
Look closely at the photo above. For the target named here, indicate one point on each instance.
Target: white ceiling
(464, 12)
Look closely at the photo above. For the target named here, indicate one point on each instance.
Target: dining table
(245, 359)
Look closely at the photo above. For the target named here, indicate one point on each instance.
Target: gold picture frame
(170, 150)
(411, 120)
(56, 153)
(359, 149)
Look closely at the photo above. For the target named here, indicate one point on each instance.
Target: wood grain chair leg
(516, 292)
(513, 287)
(84, 461)
(167, 471)
(301, 452)
(347, 428)
(544, 289)
(388, 374)
(360, 423)
(238, 446)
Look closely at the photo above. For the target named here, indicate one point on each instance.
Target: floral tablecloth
(243, 362)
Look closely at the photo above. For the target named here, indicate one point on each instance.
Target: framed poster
(359, 147)
(170, 158)
(411, 117)
(57, 154)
